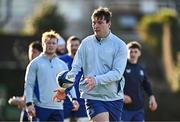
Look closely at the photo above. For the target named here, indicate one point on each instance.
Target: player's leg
(101, 117)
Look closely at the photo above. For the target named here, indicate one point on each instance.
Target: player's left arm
(148, 89)
(30, 77)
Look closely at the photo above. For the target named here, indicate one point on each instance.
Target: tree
(45, 17)
(159, 31)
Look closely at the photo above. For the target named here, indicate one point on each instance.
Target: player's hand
(59, 95)
(18, 101)
(31, 111)
(90, 82)
(152, 103)
(75, 105)
(21, 104)
(127, 99)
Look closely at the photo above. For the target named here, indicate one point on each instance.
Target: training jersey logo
(128, 70)
(91, 111)
(141, 73)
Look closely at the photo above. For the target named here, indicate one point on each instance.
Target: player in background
(70, 113)
(34, 50)
(136, 82)
(40, 81)
(61, 48)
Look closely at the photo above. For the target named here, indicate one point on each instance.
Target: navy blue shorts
(114, 108)
(45, 114)
(137, 115)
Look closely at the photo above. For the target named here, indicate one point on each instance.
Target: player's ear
(109, 24)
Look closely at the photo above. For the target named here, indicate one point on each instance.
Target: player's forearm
(29, 94)
(111, 76)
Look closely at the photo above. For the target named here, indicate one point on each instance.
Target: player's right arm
(30, 77)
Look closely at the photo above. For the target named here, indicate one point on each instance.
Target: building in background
(127, 13)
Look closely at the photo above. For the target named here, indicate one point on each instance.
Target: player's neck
(132, 61)
(71, 55)
(50, 56)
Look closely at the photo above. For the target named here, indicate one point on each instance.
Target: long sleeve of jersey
(147, 86)
(30, 76)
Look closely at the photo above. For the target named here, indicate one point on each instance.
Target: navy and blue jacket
(136, 83)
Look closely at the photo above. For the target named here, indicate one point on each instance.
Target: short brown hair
(102, 13)
(36, 45)
(134, 44)
(73, 38)
(50, 34)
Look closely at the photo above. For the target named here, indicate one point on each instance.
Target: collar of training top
(101, 39)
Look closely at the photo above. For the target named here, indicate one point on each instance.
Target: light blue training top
(40, 81)
(105, 60)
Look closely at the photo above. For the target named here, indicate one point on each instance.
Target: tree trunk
(167, 58)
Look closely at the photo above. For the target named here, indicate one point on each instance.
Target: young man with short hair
(136, 82)
(103, 57)
(40, 81)
(34, 50)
